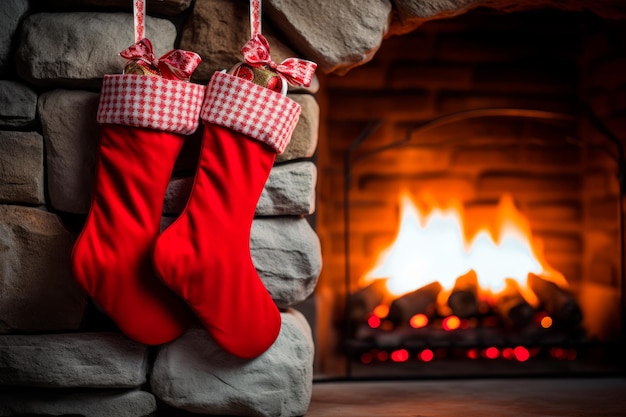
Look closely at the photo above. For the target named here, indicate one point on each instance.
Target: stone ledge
(36, 402)
(86, 360)
(194, 374)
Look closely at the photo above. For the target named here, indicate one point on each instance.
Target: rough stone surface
(21, 167)
(87, 360)
(290, 190)
(37, 290)
(32, 402)
(305, 136)
(162, 7)
(336, 35)
(71, 134)
(410, 14)
(11, 13)
(58, 49)
(176, 195)
(194, 374)
(287, 255)
(18, 105)
(217, 30)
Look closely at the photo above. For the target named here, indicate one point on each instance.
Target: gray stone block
(71, 134)
(37, 402)
(286, 253)
(305, 136)
(21, 167)
(86, 360)
(162, 7)
(77, 49)
(11, 13)
(336, 35)
(217, 30)
(37, 290)
(290, 190)
(195, 374)
(18, 105)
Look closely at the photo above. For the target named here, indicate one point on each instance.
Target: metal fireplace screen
(458, 328)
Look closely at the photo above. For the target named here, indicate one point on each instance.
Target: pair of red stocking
(152, 284)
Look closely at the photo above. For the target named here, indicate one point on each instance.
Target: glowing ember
(400, 355)
(521, 353)
(381, 311)
(426, 355)
(374, 321)
(434, 247)
(451, 323)
(546, 322)
(491, 353)
(418, 321)
(508, 353)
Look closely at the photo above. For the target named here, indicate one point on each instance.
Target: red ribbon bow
(256, 53)
(175, 64)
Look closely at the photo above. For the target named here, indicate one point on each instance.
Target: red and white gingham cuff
(152, 102)
(247, 108)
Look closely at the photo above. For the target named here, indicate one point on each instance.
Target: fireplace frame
(351, 159)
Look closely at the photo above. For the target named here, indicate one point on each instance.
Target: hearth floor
(575, 397)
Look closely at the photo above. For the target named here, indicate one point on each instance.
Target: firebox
(481, 194)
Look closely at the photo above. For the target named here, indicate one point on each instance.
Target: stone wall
(59, 354)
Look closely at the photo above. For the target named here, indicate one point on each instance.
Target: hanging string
(139, 13)
(256, 53)
(255, 18)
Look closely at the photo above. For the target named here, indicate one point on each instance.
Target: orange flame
(434, 247)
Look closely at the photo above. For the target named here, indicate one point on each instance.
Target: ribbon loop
(178, 63)
(256, 53)
(174, 65)
(141, 50)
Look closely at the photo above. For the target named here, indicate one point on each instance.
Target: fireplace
(470, 206)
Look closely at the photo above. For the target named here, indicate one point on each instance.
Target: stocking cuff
(152, 102)
(250, 109)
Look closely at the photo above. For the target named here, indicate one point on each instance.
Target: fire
(434, 247)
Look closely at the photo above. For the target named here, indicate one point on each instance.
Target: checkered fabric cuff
(152, 102)
(250, 109)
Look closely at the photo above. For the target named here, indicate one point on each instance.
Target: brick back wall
(536, 60)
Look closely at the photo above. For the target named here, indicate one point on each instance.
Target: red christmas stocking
(144, 118)
(204, 256)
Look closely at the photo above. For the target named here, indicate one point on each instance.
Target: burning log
(463, 300)
(423, 300)
(557, 302)
(364, 300)
(513, 307)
